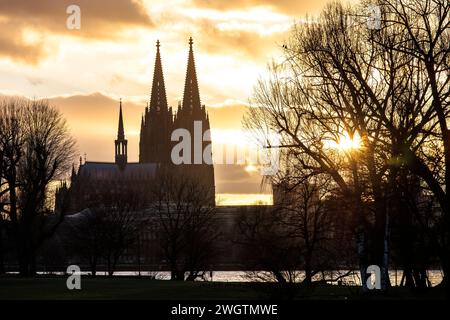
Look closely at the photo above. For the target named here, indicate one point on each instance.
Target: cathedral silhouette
(155, 146)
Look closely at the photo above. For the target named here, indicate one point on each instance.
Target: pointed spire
(120, 145)
(120, 131)
(73, 176)
(191, 96)
(158, 99)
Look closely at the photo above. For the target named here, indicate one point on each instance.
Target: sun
(346, 143)
(251, 168)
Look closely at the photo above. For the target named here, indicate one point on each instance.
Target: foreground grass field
(45, 287)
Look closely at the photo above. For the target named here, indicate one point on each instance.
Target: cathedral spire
(74, 173)
(120, 149)
(120, 131)
(191, 96)
(158, 99)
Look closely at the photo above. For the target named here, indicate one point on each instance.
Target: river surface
(434, 276)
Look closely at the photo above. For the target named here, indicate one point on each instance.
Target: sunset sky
(85, 72)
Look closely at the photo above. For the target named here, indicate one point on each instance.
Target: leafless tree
(270, 255)
(105, 230)
(2, 204)
(298, 239)
(84, 238)
(185, 217)
(37, 149)
(341, 77)
(420, 30)
(119, 232)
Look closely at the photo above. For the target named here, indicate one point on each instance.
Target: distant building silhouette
(158, 122)
(155, 145)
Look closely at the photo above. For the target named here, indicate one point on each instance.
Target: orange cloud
(95, 115)
(13, 46)
(247, 43)
(100, 19)
(93, 119)
(291, 7)
(93, 122)
(227, 117)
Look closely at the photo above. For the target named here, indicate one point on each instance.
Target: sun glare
(251, 168)
(346, 143)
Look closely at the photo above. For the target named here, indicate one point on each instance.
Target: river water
(434, 276)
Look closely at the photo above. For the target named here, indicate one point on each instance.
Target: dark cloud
(100, 19)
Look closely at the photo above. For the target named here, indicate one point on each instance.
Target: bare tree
(11, 144)
(119, 232)
(106, 229)
(2, 204)
(299, 238)
(341, 78)
(84, 238)
(270, 254)
(308, 221)
(37, 149)
(185, 217)
(420, 30)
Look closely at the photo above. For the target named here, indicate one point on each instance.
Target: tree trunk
(176, 274)
(308, 272)
(385, 281)
(407, 278)
(279, 277)
(109, 266)
(94, 266)
(2, 262)
(362, 257)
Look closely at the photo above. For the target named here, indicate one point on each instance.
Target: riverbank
(54, 287)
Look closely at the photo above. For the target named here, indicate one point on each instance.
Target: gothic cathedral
(155, 145)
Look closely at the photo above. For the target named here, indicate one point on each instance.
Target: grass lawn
(54, 287)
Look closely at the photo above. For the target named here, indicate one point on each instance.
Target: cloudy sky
(84, 72)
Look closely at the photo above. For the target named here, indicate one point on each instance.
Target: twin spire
(158, 99)
(191, 96)
(158, 121)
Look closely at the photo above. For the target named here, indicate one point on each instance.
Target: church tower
(191, 111)
(156, 123)
(121, 143)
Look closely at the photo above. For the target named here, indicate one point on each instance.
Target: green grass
(46, 287)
